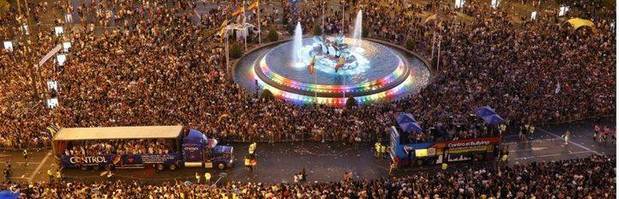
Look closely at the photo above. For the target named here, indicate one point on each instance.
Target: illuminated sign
(421, 153)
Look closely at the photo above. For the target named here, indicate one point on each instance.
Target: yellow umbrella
(578, 22)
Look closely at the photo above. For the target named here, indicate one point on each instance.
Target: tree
(351, 102)
(285, 20)
(236, 51)
(272, 36)
(317, 29)
(267, 95)
(410, 44)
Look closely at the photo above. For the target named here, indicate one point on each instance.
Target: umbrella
(405, 117)
(413, 127)
(493, 119)
(407, 122)
(485, 111)
(579, 22)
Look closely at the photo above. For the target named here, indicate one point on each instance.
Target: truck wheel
(173, 167)
(221, 166)
(160, 167)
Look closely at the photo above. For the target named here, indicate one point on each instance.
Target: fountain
(297, 44)
(328, 69)
(357, 31)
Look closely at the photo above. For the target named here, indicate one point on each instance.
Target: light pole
(259, 24)
(438, 61)
(322, 17)
(343, 16)
(19, 8)
(227, 51)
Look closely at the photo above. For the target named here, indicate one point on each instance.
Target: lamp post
(438, 61)
(343, 16)
(259, 24)
(322, 17)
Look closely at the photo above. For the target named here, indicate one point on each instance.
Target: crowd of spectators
(604, 134)
(118, 147)
(455, 132)
(154, 63)
(592, 177)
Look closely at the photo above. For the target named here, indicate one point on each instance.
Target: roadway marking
(40, 166)
(21, 162)
(531, 149)
(530, 141)
(578, 145)
(551, 155)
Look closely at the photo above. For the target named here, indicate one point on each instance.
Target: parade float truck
(428, 153)
(405, 151)
(92, 148)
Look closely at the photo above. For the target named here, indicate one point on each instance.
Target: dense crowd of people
(455, 132)
(118, 147)
(153, 63)
(604, 134)
(161, 63)
(592, 177)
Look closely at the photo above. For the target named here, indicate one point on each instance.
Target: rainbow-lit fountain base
(366, 70)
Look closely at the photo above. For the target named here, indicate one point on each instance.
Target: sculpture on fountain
(333, 51)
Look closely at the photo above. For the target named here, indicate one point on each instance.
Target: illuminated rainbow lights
(299, 99)
(368, 87)
(295, 98)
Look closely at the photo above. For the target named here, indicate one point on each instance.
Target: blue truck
(192, 149)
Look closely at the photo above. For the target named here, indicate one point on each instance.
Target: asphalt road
(326, 161)
(546, 144)
(276, 163)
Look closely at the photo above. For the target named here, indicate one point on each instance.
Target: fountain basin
(385, 73)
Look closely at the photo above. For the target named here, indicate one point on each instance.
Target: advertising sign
(472, 145)
(119, 161)
(464, 150)
(193, 152)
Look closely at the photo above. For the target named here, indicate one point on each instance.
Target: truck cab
(221, 157)
(200, 151)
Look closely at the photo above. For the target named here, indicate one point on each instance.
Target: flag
(224, 24)
(254, 5)
(222, 29)
(240, 11)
